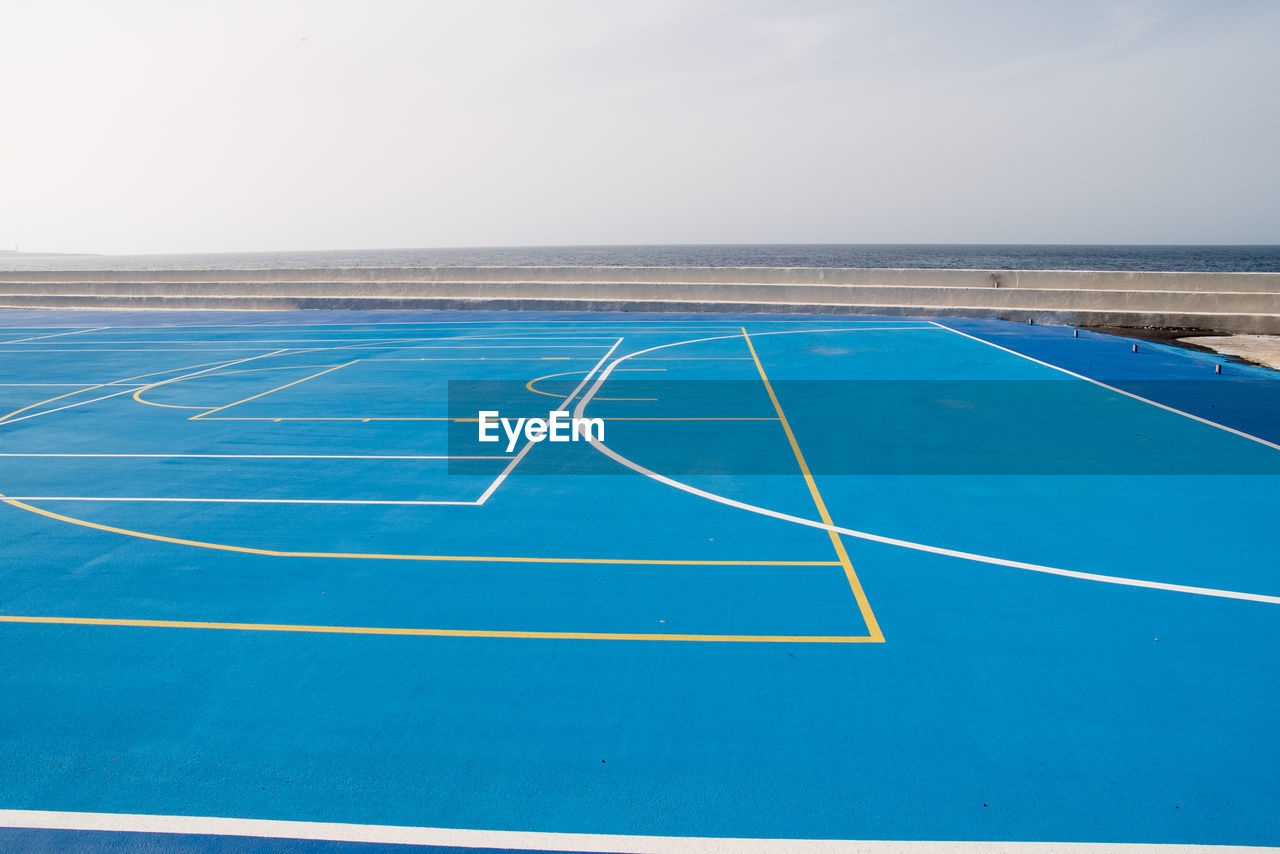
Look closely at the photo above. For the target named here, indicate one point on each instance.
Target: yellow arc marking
(3, 418)
(529, 385)
(137, 395)
(863, 605)
(874, 636)
(447, 633)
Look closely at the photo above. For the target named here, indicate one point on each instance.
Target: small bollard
(1135, 348)
(1217, 369)
(1030, 321)
(1075, 333)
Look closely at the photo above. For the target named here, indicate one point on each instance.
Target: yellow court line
(486, 359)
(137, 395)
(454, 558)
(530, 383)
(367, 419)
(3, 418)
(271, 391)
(633, 399)
(259, 370)
(437, 558)
(278, 418)
(447, 633)
(863, 605)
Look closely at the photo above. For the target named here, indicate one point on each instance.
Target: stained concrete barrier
(1224, 302)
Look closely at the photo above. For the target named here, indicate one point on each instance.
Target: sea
(1243, 259)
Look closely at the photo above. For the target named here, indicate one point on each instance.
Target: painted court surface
(824, 579)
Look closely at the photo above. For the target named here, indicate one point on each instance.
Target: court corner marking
(864, 605)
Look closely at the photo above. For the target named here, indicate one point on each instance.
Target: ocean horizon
(1171, 258)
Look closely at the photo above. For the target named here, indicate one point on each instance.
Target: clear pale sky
(169, 127)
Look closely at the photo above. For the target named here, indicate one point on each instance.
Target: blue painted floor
(258, 566)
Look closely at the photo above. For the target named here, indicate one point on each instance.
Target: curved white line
(877, 538)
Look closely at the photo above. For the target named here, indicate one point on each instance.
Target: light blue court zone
(880, 579)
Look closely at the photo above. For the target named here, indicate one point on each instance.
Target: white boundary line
(389, 345)
(352, 341)
(140, 388)
(241, 500)
(1240, 433)
(263, 456)
(477, 502)
(754, 317)
(400, 344)
(516, 461)
(54, 335)
(140, 350)
(737, 333)
(893, 541)
(531, 840)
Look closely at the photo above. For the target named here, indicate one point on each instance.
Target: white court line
(141, 350)
(361, 342)
(490, 347)
(533, 840)
(755, 317)
(55, 335)
(516, 461)
(1156, 404)
(390, 345)
(176, 350)
(877, 538)
(528, 334)
(251, 457)
(484, 496)
(736, 334)
(139, 388)
(185, 500)
(262, 456)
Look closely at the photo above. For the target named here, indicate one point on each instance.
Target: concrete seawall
(1224, 302)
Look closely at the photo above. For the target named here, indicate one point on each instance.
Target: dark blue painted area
(1005, 704)
(1242, 396)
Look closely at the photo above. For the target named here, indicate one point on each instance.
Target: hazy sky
(179, 126)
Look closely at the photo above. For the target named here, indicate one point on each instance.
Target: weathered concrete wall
(1227, 302)
(1070, 279)
(869, 296)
